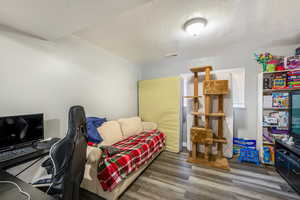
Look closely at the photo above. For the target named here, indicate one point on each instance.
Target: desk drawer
(282, 162)
(294, 173)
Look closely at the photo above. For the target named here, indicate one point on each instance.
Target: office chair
(60, 175)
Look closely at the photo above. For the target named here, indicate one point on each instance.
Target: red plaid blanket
(134, 152)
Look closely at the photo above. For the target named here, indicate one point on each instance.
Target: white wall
(48, 77)
(240, 56)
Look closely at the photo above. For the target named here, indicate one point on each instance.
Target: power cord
(21, 191)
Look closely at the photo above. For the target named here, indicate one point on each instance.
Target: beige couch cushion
(149, 126)
(110, 132)
(131, 126)
(93, 155)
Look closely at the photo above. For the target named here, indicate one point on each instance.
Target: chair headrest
(77, 119)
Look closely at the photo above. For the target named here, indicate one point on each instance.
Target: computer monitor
(295, 116)
(19, 131)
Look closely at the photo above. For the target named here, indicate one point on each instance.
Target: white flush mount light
(195, 26)
(173, 54)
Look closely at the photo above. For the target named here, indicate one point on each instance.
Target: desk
(23, 159)
(9, 191)
(287, 159)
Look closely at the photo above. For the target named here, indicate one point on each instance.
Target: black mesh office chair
(61, 174)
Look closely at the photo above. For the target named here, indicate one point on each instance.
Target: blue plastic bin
(249, 155)
(241, 143)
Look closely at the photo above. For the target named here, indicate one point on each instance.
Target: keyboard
(10, 155)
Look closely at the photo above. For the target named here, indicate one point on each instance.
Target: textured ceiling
(149, 32)
(144, 31)
(53, 19)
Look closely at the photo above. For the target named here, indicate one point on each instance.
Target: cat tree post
(220, 124)
(195, 108)
(207, 109)
(196, 100)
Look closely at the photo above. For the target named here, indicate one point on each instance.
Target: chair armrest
(93, 155)
(148, 126)
(48, 165)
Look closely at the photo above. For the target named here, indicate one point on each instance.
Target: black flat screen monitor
(295, 116)
(18, 131)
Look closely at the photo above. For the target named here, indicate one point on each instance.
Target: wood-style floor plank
(170, 177)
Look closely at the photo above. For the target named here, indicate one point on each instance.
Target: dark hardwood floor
(171, 177)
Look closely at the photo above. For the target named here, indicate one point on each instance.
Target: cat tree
(204, 135)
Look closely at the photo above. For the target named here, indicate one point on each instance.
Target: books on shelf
(269, 137)
(269, 155)
(267, 101)
(276, 119)
(283, 119)
(276, 100)
(282, 80)
(280, 131)
(293, 80)
(280, 100)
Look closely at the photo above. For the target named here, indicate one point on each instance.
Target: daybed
(140, 144)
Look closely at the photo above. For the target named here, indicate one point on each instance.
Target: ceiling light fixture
(195, 26)
(169, 55)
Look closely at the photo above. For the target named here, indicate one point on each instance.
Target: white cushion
(131, 126)
(110, 132)
(93, 155)
(149, 126)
